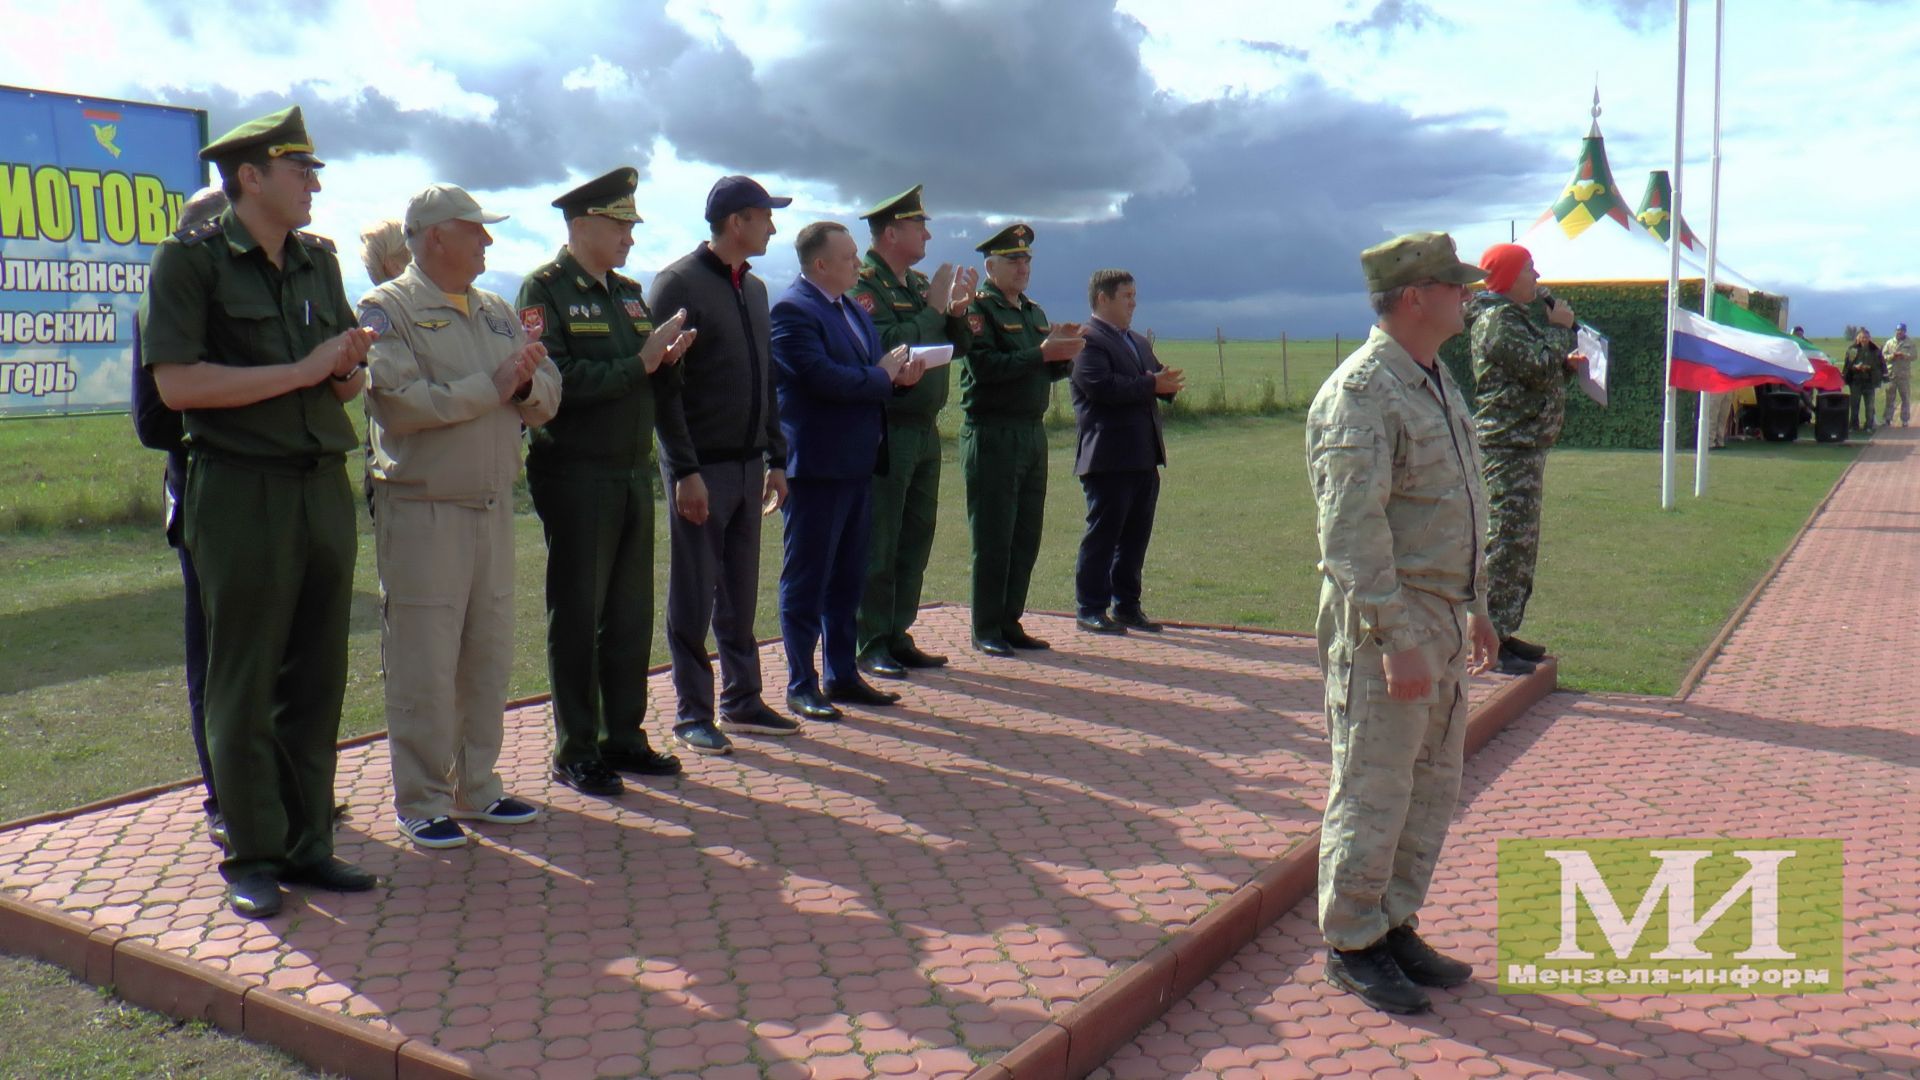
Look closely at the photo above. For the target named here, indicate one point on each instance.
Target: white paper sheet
(933, 355)
(1593, 378)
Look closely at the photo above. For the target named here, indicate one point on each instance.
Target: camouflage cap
(609, 196)
(1015, 239)
(902, 207)
(274, 136)
(1416, 257)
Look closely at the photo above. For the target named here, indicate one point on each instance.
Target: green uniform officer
(1005, 385)
(249, 333)
(908, 308)
(592, 486)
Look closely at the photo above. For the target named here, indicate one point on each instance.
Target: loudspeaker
(1830, 418)
(1779, 415)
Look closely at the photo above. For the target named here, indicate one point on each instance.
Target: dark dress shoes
(589, 778)
(645, 761)
(993, 646)
(1098, 623)
(883, 666)
(217, 829)
(333, 875)
(1020, 639)
(1421, 963)
(256, 896)
(1372, 975)
(1525, 650)
(912, 657)
(1136, 620)
(1510, 663)
(811, 705)
(858, 692)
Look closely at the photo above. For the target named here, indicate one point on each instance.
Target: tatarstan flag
(1592, 194)
(1655, 207)
(1825, 375)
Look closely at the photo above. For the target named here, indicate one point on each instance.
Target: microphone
(1544, 296)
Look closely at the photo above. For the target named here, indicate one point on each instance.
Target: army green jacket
(902, 316)
(1520, 374)
(215, 297)
(594, 331)
(1003, 379)
(1396, 479)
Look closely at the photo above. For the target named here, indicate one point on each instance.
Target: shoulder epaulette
(193, 234)
(1362, 373)
(867, 271)
(547, 272)
(314, 241)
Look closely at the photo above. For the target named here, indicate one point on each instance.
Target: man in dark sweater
(722, 464)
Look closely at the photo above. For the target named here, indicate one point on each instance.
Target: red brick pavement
(1803, 726)
(909, 893)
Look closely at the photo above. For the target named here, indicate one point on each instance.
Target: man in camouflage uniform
(1396, 479)
(1006, 382)
(1898, 353)
(908, 308)
(1521, 369)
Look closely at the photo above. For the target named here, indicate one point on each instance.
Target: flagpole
(1701, 441)
(1669, 426)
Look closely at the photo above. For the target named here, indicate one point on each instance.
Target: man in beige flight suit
(1898, 353)
(454, 378)
(1403, 617)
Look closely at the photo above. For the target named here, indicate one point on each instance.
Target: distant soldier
(1865, 368)
(1396, 477)
(1521, 370)
(249, 332)
(908, 308)
(1006, 383)
(1898, 354)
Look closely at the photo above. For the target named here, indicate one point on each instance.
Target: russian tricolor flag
(1715, 358)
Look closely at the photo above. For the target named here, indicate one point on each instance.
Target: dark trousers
(275, 550)
(906, 505)
(599, 532)
(1860, 406)
(195, 635)
(1120, 508)
(713, 580)
(824, 566)
(1006, 471)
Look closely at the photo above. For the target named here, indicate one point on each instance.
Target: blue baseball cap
(732, 194)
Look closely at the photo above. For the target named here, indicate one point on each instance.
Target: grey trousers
(714, 580)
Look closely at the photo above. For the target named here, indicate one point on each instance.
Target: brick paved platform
(1804, 725)
(909, 893)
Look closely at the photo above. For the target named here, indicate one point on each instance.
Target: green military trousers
(906, 503)
(599, 532)
(274, 545)
(1396, 768)
(1005, 466)
(1516, 483)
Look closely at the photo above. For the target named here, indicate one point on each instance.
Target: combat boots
(1421, 963)
(1372, 975)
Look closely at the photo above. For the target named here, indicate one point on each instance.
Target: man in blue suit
(1117, 386)
(833, 382)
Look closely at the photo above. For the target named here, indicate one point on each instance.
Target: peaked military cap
(902, 207)
(1015, 239)
(609, 196)
(274, 136)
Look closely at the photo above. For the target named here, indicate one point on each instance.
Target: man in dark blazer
(833, 382)
(1117, 386)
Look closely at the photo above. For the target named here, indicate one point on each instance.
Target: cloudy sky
(1235, 154)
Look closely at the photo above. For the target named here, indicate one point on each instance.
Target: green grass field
(92, 701)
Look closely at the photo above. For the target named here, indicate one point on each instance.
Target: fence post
(1336, 349)
(1286, 388)
(1220, 350)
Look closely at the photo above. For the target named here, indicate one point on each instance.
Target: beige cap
(444, 202)
(1423, 256)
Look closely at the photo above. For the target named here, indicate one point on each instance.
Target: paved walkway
(1803, 726)
(909, 893)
